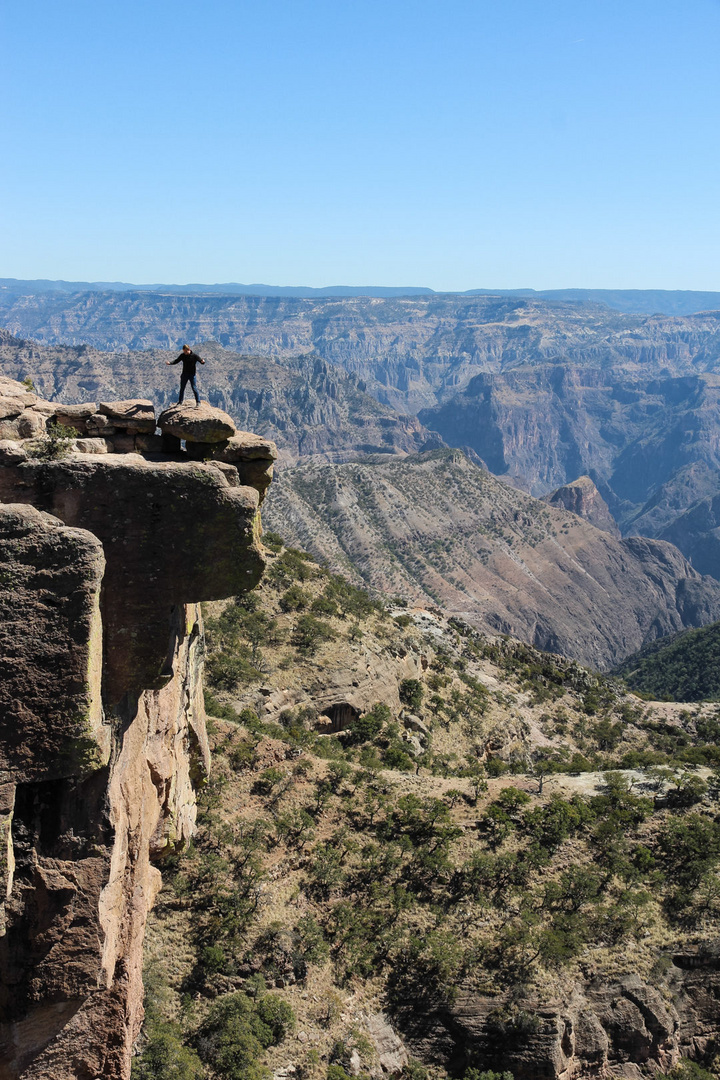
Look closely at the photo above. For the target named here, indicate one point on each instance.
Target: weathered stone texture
(172, 533)
(50, 648)
(134, 416)
(196, 423)
(103, 560)
(599, 1029)
(71, 997)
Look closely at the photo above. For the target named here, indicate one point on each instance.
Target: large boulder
(75, 416)
(250, 454)
(196, 423)
(10, 407)
(245, 446)
(27, 424)
(11, 452)
(135, 417)
(14, 397)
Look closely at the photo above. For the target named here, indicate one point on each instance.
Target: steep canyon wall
(104, 560)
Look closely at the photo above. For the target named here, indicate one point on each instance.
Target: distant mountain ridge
(640, 301)
(437, 529)
(543, 394)
(309, 407)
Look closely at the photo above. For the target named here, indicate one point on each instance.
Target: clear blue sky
(495, 143)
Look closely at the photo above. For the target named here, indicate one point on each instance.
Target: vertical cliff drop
(106, 554)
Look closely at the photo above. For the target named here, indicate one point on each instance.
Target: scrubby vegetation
(683, 668)
(505, 819)
(56, 443)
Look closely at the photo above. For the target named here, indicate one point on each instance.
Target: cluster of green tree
(231, 1039)
(685, 667)
(403, 887)
(548, 676)
(246, 628)
(56, 443)
(239, 634)
(395, 887)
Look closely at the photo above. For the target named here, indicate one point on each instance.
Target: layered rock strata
(602, 1028)
(435, 528)
(104, 560)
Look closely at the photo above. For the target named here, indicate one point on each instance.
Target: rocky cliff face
(416, 350)
(650, 444)
(550, 424)
(581, 497)
(105, 557)
(594, 1029)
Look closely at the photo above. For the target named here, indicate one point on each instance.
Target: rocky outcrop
(104, 561)
(50, 647)
(596, 1029)
(365, 675)
(305, 404)
(198, 424)
(194, 538)
(581, 497)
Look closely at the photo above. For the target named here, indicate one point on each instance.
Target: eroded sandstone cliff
(105, 557)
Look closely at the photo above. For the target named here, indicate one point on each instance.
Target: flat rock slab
(75, 412)
(136, 415)
(75, 416)
(197, 423)
(245, 446)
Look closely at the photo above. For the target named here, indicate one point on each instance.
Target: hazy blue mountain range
(641, 301)
(543, 392)
(414, 352)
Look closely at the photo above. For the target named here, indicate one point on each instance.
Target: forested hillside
(438, 870)
(684, 668)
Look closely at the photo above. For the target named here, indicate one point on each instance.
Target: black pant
(186, 378)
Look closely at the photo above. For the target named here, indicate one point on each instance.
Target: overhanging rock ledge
(105, 556)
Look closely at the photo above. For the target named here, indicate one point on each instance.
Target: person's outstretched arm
(176, 361)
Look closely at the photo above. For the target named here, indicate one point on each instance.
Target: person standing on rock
(190, 361)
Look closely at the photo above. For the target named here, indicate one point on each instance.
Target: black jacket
(189, 362)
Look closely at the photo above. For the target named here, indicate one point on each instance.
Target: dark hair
(186, 346)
